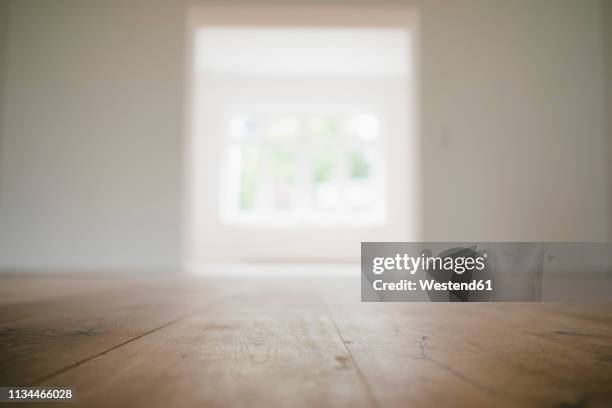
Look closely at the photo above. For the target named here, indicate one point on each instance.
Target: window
(304, 168)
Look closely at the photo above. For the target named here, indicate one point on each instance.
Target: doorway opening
(301, 134)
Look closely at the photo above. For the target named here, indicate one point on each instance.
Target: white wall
(4, 23)
(513, 121)
(513, 127)
(607, 39)
(90, 162)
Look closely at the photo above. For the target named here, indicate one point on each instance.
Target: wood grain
(302, 342)
(40, 338)
(265, 348)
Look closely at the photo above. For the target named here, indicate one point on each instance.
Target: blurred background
(169, 135)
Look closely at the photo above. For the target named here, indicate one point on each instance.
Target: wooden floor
(162, 342)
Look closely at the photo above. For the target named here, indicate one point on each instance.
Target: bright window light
(304, 168)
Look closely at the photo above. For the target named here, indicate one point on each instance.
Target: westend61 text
(430, 284)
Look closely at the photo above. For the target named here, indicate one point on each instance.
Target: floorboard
(160, 342)
(40, 338)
